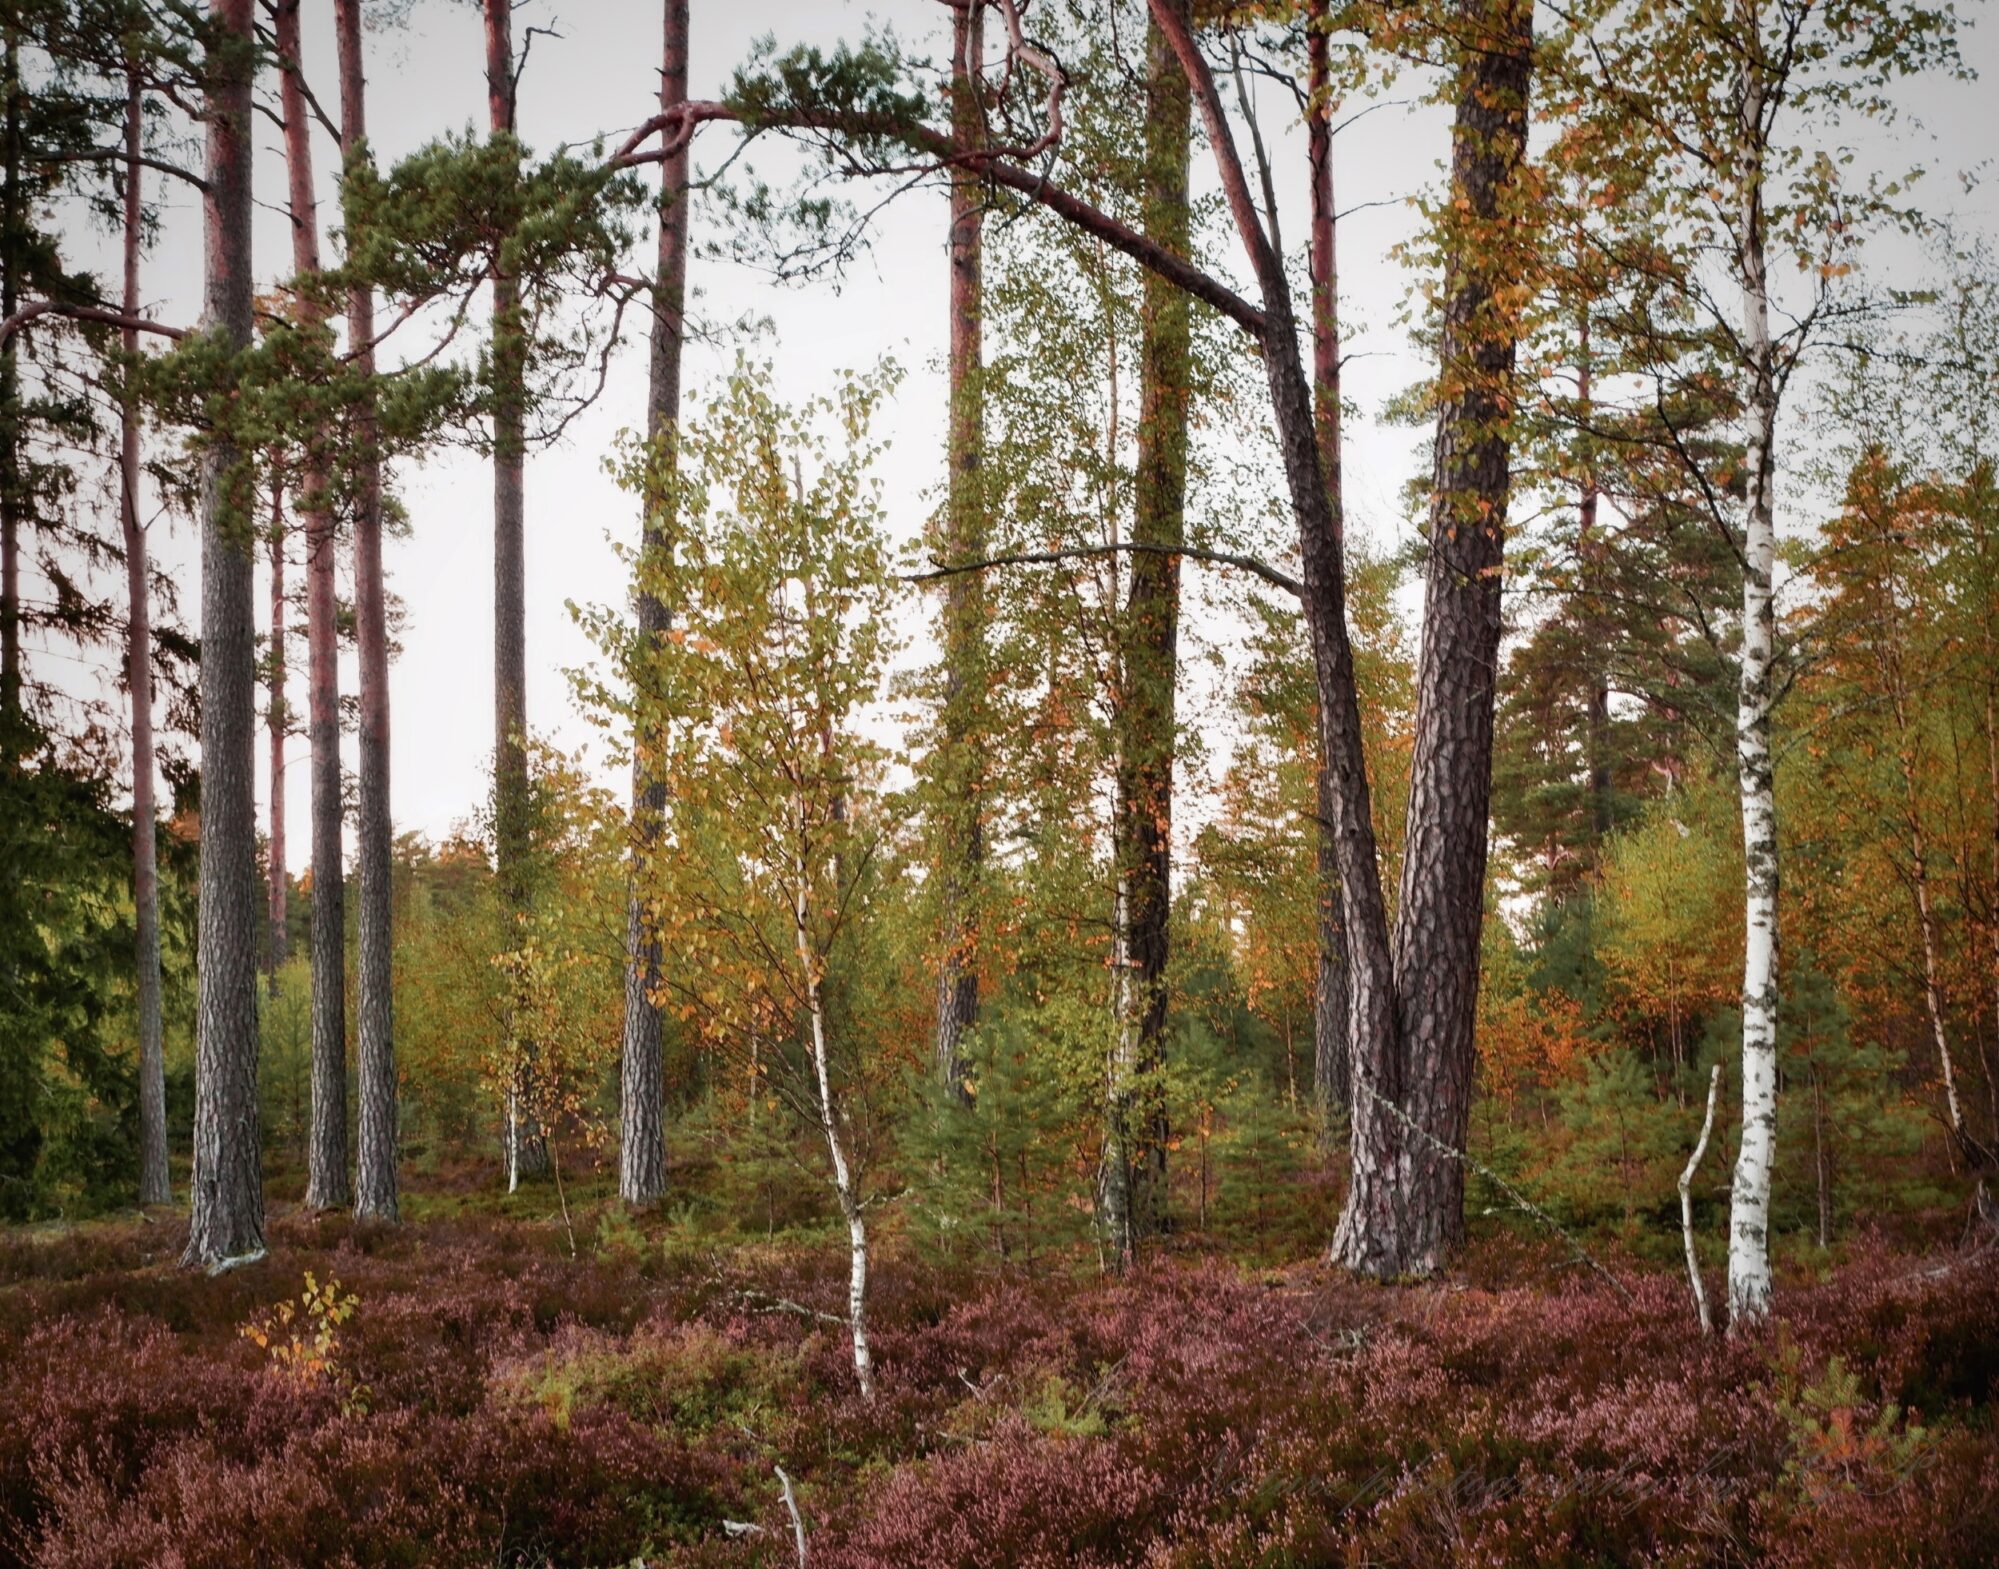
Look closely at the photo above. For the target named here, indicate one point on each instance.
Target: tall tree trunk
(961, 827)
(375, 1195)
(155, 1186)
(1134, 1177)
(326, 1161)
(642, 1079)
(1332, 1077)
(227, 1220)
(1442, 900)
(1589, 550)
(276, 726)
(1392, 1224)
(527, 1150)
(13, 225)
(1749, 1207)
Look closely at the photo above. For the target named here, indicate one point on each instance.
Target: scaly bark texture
(326, 1155)
(961, 826)
(527, 1149)
(1374, 1205)
(375, 1187)
(1135, 1133)
(1749, 1204)
(1442, 900)
(227, 1219)
(642, 1075)
(276, 726)
(1332, 1076)
(155, 1186)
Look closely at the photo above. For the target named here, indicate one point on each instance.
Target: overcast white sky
(599, 77)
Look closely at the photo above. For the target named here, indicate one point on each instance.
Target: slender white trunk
(829, 1123)
(1749, 1210)
(1925, 913)
(1687, 1206)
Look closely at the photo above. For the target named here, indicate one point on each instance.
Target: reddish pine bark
(375, 1185)
(326, 1154)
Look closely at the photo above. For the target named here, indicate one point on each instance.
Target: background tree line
(1137, 851)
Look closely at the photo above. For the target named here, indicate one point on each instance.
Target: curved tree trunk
(1442, 902)
(375, 1196)
(642, 1077)
(155, 1186)
(227, 1220)
(326, 1167)
(961, 828)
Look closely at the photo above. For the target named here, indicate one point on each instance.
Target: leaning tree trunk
(1372, 1209)
(375, 1195)
(1332, 1078)
(155, 1185)
(1749, 1206)
(326, 1159)
(642, 1077)
(527, 1148)
(961, 829)
(1377, 1234)
(1135, 1133)
(227, 1220)
(1442, 901)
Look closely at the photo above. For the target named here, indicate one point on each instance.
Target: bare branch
(1029, 558)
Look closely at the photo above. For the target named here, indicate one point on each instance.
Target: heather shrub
(526, 1407)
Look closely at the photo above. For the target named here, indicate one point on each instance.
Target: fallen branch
(1687, 1206)
(1520, 1200)
(764, 1302)
(791, 1507)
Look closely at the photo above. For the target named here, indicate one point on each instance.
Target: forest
(1240, 806)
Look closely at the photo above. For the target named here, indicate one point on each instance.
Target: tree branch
(1028, 558)
(99, 314)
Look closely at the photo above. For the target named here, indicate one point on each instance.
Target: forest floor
(486, 1398)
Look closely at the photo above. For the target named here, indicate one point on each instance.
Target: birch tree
(1735, 109)
(779, 578)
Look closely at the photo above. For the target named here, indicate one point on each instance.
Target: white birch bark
(829, 1124)
(1694, 1282)
(1749, 1209)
